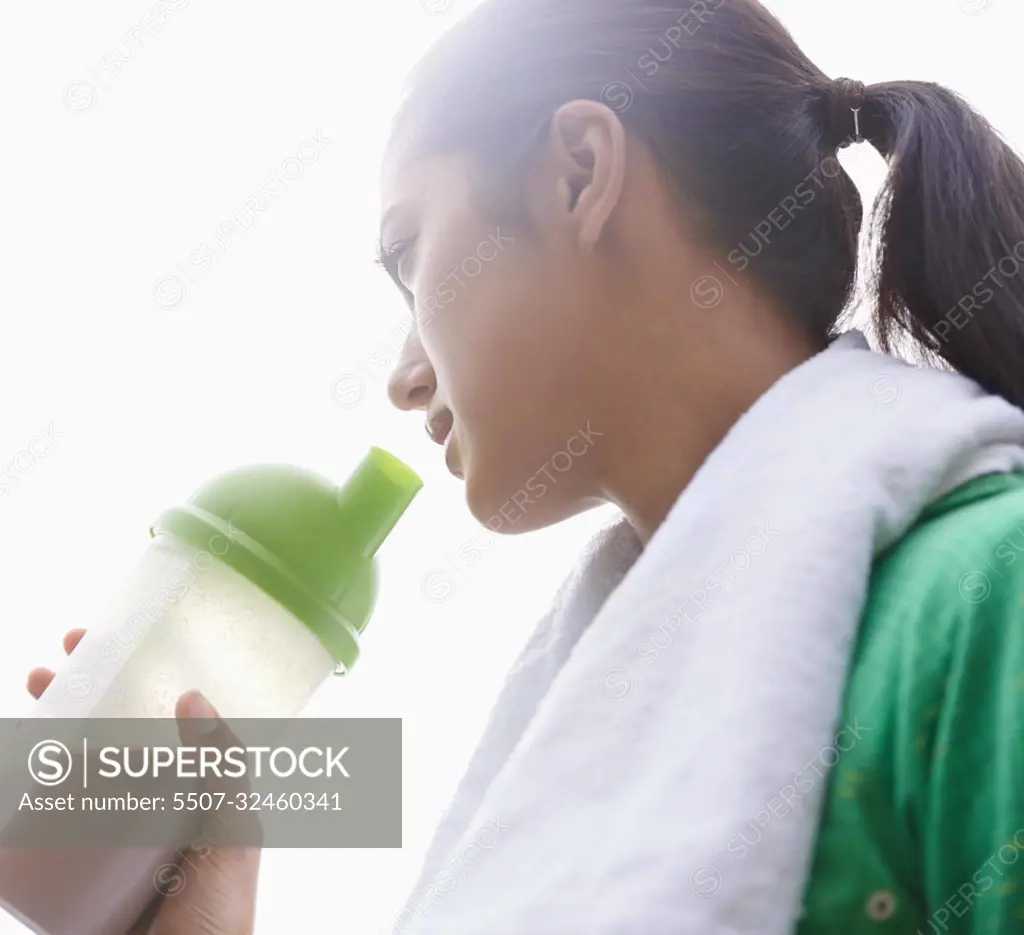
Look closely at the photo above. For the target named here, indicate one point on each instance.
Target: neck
(687, 390)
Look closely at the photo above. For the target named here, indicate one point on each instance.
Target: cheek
(507, 354)
(501, 341)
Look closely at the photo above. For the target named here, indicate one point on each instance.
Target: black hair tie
(845, 119)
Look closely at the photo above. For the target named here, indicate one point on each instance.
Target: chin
(508, 510)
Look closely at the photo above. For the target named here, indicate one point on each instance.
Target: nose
(412, 383)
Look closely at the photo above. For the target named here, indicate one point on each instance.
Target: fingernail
(194, 706)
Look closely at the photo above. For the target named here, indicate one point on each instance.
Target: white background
(108, 190)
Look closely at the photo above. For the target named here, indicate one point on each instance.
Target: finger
(72, 638)
(193, 705)
(201, 726)
(144, 924)
(215, 883)
(214, 892)
(38, 681)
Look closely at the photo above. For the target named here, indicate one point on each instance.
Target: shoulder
(941, 650)
(937, 678)
(926, 787)
(943, 626)
(941, 642)
(944, 619)
(961, 565)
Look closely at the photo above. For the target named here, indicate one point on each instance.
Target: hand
(215, 893)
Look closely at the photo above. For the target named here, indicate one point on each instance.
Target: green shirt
(923, 823)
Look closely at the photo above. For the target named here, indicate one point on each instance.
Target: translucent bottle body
(184, 620)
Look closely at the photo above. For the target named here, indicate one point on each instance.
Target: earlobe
(590, 143)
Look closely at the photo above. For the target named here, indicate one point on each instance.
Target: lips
(439, 425)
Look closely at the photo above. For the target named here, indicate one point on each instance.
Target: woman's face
(506, 354)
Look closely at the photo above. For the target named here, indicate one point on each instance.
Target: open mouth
(439, 425)
(440, 429)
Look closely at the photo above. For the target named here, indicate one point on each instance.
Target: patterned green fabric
(923, 827)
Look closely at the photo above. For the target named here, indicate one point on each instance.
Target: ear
(588, 143)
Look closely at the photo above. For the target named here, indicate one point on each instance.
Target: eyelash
(390, 258)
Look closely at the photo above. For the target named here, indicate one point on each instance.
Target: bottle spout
(374, 498)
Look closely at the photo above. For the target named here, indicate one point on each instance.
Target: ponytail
(949, 234)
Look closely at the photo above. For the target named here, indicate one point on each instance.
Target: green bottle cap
(302, 539)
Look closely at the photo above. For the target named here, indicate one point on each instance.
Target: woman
(786, 692)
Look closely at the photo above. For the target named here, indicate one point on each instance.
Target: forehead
(403, 172)
(411, 180)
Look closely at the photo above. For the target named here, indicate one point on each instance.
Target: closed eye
(390, 259)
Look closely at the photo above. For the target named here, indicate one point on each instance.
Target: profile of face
(595, 305)
(516, 344)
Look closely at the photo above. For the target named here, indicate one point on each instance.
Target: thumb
(212, 891)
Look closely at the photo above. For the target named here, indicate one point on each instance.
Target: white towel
(670, 696)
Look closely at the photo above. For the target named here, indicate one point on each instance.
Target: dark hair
(745, 126)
